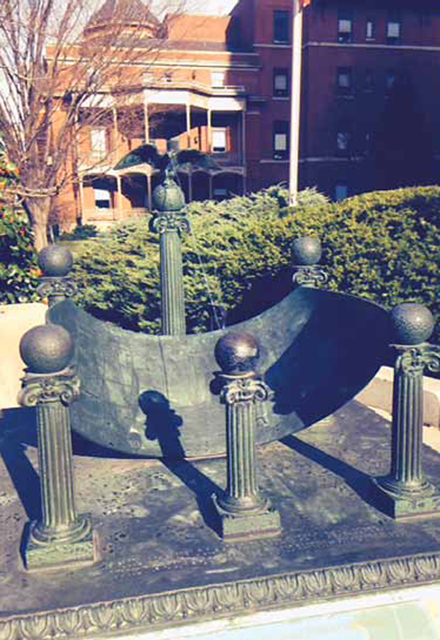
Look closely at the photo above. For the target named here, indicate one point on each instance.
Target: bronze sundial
(158, 554)
(325, 345)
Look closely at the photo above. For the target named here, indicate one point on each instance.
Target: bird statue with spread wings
(168, 163)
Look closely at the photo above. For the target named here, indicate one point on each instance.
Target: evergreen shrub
(18, 264)
(81, 232)
(384, 246)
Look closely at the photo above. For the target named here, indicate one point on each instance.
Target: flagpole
(295, 100)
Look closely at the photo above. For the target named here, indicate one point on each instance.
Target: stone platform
(162, 562)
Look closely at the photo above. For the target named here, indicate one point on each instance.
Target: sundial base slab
(234, 528)
(163, 565)
(57, 555)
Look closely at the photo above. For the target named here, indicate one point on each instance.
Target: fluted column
(169, 221)
(60, 536)
(244, 512)
(405, 491)
(240, 395)
(171, 275)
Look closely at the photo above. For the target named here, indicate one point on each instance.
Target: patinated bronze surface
(162, 560)
(405, 491)
(318, 349)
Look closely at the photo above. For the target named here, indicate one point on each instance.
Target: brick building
(370, 105)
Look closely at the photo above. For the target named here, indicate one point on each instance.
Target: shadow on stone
(16, 431)
(357, 480)
(163, 424)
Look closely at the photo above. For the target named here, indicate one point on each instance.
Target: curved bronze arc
(156, 395)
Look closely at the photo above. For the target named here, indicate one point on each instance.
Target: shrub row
(384, 246)
(18, 266)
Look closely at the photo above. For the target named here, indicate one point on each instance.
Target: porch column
(149, 191)
(147, 130)
(114, 151)
(81, 200)
(243, 137)
(188, 123)
(243, 149)
(209, 131)
(118, 197)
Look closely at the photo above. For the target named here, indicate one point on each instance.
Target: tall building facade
(370, 104)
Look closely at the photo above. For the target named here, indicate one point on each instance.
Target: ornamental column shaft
(169, 221)
(243, 511)
(240, 396)
(171, 284)
(405, 492)
(407, 425)
(242, 480)
(55, 464)
(60, 536)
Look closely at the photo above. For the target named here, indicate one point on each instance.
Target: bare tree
(65, 64)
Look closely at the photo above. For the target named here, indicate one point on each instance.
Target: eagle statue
(168, 163)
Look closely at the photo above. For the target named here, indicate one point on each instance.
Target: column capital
(41, 388)
(309, 276)
(57, 287)
(243, 388)
(165, 221)
(414, 359)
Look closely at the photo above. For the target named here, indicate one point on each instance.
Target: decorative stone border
(202, 603)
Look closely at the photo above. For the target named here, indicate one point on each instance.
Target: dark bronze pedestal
(163, 565)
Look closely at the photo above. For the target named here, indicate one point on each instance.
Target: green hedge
(383, 245)
(18, 265)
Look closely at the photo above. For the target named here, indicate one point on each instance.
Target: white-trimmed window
(345, 29)
(220, 193)
(102, 198)
(217, 79)
(219, 141)
(98, 141)
(390, 80)
(280, 140)
(344, 80)
(341, 192)
(394, 31)
(342, 141)
(280, 83)
(281, 26)
(370, 33)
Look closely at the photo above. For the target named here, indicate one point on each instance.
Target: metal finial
(306, 254)
(47, 348)
(306, 251)
(237, 353)
(412, 323)
(55, 261)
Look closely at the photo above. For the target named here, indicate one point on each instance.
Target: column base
(400, 503)
(59, 553)
(236, 527)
